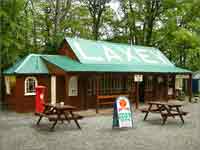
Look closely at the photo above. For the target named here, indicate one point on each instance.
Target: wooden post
(174, 86)
(83, 92)
(110, 84)
(190, 88)
(167, 87)
(155, 80)
(137, 95)
(97, 93)
(67, 89)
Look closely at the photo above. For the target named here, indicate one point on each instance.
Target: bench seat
(175, 113)
(153, 110)
(40, 114)
(62, 118)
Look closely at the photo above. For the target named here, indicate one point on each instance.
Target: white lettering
(161, 57)
(84, 55)
(110, 54)
(146, 57)
(130, 55)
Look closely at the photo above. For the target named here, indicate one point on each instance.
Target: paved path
(18, 132)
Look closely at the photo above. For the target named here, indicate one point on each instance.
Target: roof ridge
(108, 42)
(25, 60)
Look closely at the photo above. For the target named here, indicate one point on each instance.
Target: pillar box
(39, 98)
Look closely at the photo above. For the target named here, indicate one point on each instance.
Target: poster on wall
(138, 78)
(122, 115)
(170, 91)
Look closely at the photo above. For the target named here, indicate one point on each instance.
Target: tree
(52, 15)
(179, 35)
(142, 18)
(12, 31)
(96, 9)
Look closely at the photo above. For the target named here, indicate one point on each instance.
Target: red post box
(39, 98)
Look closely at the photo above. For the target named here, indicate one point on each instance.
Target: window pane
(30, 85)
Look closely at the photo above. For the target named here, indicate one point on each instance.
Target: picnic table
(58, 112)
(165, 109)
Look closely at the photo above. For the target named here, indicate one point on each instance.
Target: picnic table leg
(162, 108)
(66, 116)
(75, 120)
(45, 110)
(58, 118)
(54, 124)
(39, 120)
(147, 111)
(177, 108)
(164, 119)
(170, 108)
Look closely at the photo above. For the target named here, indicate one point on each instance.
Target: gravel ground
(19, 132)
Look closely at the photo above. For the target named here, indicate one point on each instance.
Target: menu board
(122, 115)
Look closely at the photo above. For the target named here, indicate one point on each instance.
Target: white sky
(114, 4)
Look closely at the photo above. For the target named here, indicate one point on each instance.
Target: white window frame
(26, 93)
(73, 86)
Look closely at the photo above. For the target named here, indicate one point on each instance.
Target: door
(141, 91)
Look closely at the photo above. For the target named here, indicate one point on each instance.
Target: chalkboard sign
(122, 113)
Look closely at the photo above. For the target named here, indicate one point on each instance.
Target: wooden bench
(46, 114)
(106, 100)
(62, 118)
(184, 113)
(153, 110)
(40, 114)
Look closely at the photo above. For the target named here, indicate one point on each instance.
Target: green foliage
(12, 30)
(39, 26)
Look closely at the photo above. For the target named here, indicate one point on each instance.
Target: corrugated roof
(101, 52)
(69, 65)
(31, 64)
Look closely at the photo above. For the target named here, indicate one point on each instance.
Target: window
(73, 86)
(149, 83)
(107, 85)
(30, 84)
(91, 87)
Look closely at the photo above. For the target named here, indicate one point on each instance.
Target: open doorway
(141, 92)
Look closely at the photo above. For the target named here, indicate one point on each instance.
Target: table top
(169, 103)
(59, 106)
(157, 102)
(175, 103)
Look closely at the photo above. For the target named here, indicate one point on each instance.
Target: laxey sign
(122, 116)
(100, 52)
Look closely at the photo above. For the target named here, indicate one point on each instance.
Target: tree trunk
(56, 18)
(34, 26)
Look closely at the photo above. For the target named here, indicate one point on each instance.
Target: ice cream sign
(123, 112)
(107, 53)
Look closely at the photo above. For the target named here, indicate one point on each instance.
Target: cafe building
(92, 74)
